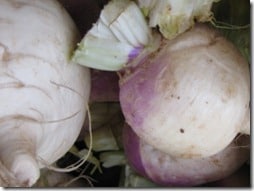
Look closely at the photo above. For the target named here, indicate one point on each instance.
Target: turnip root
(166, 170)
(43, 94)
(191, 97)
(188, 96)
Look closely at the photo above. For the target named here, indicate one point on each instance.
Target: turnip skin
(169, 171)
(191, 97)
(44, 96)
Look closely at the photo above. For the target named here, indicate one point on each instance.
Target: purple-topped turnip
(166, 170)
(188, 95)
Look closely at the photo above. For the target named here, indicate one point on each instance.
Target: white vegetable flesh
(43, 95)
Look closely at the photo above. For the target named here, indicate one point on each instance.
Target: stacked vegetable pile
(184, 88)
(164, 103)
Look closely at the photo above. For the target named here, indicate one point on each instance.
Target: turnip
(188, 96)
(191, 98)
(170, 171)
(43, 94)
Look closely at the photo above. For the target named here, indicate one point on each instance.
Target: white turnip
(43, 94)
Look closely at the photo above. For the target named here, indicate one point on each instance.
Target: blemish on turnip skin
(181, 130)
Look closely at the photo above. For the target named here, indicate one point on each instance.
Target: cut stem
(119, 36)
